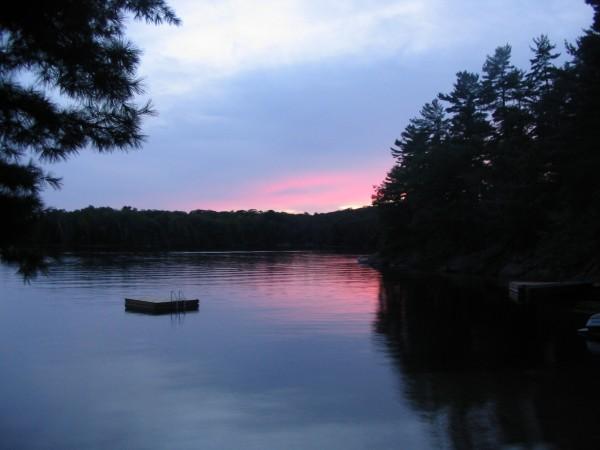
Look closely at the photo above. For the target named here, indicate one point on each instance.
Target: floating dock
(161, 306)
(528, 292)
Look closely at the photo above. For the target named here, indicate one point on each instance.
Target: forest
(501, 174)
(131, 229)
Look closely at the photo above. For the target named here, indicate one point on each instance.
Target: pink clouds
(311, 192)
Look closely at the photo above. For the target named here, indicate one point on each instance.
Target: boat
(592, 328)
(161, 306)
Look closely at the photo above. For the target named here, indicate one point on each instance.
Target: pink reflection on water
(337, 296)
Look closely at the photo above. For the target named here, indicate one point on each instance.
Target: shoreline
(486, 265)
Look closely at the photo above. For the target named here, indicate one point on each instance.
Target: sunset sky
(292, 105)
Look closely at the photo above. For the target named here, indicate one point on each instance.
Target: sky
(292, 105)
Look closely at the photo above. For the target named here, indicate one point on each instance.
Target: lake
(289, 350)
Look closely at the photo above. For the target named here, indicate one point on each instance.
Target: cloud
(279, 104)
(222, 38)
(309, 192)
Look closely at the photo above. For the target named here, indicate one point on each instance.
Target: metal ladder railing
(179, 300)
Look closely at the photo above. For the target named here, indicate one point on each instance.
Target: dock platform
(527, 292)
(161, 306)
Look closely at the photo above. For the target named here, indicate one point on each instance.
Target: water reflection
(485, 373)
(288, 350)
(307, 292)
(279, 356)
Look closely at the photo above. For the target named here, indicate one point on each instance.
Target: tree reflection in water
(484, 372)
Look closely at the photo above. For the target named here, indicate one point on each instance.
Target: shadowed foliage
(67, 83)
(131, 229)
(505, 166)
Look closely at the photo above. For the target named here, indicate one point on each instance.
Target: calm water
(287, 351)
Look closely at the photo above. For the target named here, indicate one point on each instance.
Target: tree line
(131, 229)
(507, 162)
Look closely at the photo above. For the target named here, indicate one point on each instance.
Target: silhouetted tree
(543, 72)
(129, 229)
(67, 82)
(469, 123)
(581, 133)
(516, 168)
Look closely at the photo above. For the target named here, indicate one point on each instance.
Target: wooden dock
(528, 292)
(161, 306)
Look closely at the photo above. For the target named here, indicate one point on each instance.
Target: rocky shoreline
(492, 263)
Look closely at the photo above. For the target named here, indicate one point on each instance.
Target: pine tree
(580, 157)
(468, 122)
(67, 83)
(503, 92)
(517, 168)
(542, 72)
(413, 153)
